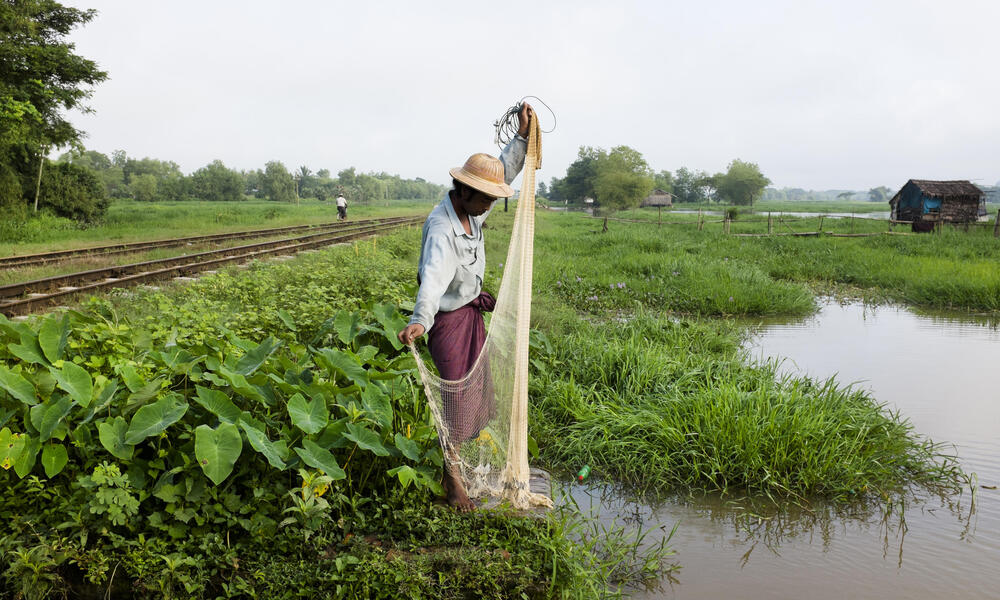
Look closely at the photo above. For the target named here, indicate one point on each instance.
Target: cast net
(482, 419)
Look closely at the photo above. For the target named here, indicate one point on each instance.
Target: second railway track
(22, 298)
(45, 258)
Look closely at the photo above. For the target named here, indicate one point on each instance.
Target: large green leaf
(310, 417)
(47, 416)
(274, 452)
(54, 458)
(252, 360)
(377, 405)
(405, 473)
(366, 439)
(217, 450)
(29, 351)
(154, 418)
(391, 321)
(17, 386)
(52, 337)
(348, 326)
(76, 381)
(218, 404)
(318, 458)
(133, 381)
(338, 362)
(408, 447)
(26, 461)
(112, 436)
(242, 387)
(287, 319)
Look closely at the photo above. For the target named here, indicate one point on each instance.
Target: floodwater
(941, 372)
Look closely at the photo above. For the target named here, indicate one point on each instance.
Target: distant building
(658, 198)
(926, 202)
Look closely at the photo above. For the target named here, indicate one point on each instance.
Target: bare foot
(456, 496)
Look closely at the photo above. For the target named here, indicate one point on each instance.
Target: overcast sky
(821, 95)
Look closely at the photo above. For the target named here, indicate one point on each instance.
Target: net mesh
(482, 419)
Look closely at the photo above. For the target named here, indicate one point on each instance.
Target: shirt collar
(456, 225)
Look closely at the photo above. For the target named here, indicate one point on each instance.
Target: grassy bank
(128, 221)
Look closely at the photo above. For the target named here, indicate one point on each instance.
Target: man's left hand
(524, 120)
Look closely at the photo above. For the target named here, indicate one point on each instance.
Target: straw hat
(484, 173)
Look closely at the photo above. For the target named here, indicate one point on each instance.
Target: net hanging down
(488, 439)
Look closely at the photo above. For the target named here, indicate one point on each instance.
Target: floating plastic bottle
(583, 474)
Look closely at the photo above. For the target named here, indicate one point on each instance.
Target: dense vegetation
(255, 434)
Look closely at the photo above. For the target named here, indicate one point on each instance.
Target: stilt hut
(926, 202)
(658, 198)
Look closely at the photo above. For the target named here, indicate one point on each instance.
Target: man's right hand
(410, 333)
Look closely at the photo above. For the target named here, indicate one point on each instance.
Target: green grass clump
(664, 406)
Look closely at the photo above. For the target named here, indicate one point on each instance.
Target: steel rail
(26, 260)
(154, 270)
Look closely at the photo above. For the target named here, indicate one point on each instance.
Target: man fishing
(450, 300)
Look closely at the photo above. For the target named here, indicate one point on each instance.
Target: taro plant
(182, 434)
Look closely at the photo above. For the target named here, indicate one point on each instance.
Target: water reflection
(938, 370)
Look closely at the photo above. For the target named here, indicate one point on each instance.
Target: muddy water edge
(940, 371)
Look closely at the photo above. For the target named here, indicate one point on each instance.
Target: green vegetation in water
(665, 406)
(257, 434)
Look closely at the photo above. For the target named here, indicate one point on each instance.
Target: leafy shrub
(74, 192)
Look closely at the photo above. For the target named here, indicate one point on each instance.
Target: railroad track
(22, 298)
(28, 260)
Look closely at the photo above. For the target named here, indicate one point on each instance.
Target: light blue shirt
(452, 262)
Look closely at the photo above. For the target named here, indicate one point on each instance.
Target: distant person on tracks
(451, 300)
(341, 207)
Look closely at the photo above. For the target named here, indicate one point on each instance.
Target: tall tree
(216, 182)
(579, 180)
(40, 76)
(276, 183)
(742, 183)
(689, 185)
(622, 179)
(664, 181)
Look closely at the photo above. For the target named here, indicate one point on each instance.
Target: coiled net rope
(493, 463)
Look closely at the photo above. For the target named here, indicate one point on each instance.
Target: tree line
(151, 180)
(621, 178)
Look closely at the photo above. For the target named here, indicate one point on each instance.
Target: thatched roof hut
(923, 200)
(658, 198)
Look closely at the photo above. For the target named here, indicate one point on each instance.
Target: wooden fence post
(658, 209)
(996, 225)
(726, 224)
(770, 225)
(700, 222)
(821, 222)
(852, 221)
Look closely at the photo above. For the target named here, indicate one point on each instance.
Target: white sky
(848, 94)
